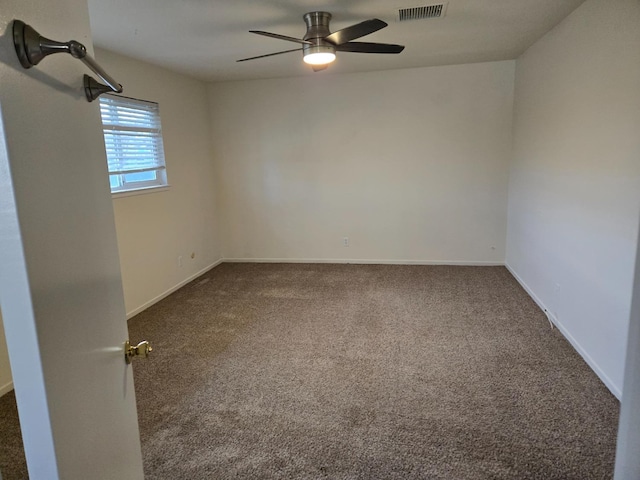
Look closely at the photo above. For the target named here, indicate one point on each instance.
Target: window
(133, 140)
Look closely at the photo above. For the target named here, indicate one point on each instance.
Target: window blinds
(132, 135)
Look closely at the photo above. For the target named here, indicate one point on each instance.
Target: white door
(60, 285)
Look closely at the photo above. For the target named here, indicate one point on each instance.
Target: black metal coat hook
(31, 48)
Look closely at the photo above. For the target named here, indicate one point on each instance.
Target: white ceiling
(204, 38)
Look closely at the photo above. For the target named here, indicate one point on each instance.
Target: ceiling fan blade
(281, 37)
(270, 54)
(365, 47)
(319, 68)
(355, 31)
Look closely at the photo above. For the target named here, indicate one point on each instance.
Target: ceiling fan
(319, 45)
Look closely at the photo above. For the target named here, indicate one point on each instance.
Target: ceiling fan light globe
(319, 58)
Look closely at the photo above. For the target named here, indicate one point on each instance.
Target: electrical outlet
(179, 260)
(345, 241)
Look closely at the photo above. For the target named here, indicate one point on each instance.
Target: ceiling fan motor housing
(317, 29)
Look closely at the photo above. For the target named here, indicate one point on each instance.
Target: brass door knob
(143, 349)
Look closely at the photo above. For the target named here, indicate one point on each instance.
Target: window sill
(140, 191)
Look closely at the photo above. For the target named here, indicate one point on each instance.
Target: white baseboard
(360, 261)
(155, 300)
(567, 334)
(6, 388)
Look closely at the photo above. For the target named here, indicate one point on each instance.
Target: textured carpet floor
(363, 372)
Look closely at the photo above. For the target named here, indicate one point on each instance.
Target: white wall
(154, 229)
(411, 165)
(574, 191)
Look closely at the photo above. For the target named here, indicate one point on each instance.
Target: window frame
(124, 186)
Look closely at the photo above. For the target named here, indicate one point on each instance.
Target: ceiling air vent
(420, 13)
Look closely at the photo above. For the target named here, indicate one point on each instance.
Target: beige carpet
(361, 372)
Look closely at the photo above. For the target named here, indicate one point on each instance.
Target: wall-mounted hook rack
(31, 48)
